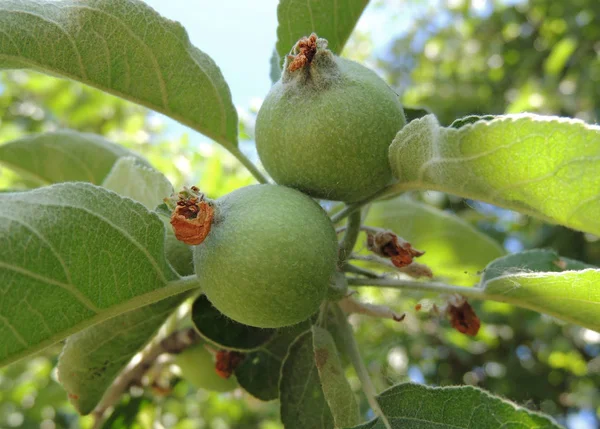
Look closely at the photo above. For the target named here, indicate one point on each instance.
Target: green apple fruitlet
(269, 257)
(198, 368)
(326, 126)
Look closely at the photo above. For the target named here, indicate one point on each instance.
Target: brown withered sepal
(227, 361)
(192, 218)
(307, 48)
(463, 318)
(389, 245)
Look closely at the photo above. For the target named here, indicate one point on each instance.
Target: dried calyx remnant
(192, 215)
(227, 361)
(462, 316)
(388, 245)
(305, 50)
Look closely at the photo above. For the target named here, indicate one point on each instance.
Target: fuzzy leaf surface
(542, 281)
(543, 166)
(92, 358)
(125, 48)
(73, 255)
(414, 406)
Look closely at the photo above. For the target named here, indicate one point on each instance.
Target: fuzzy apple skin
(269, 257)
(198, 367)
(328, 134)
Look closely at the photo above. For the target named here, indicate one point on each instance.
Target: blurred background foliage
(456, 58)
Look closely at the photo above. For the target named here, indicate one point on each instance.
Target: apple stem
(349, 209)
(248, 164)
(350, 237)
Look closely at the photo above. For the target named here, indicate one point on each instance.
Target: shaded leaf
(92, 358)
(333, 20)
(337, 390)
(63, 156)
(259, 373)
(539, 165)
(412, 406)
(125, 414)
(97, 255)
(454, 250)
(224, 332)
(412, 113)
(539, 280)
(125, 48)
(143, 184)
(303, 404)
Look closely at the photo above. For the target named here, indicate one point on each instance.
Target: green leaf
(333, 20)
(125, 48)
(178, 253)
(303, 404)
(73, 255)
(92, 358)
(409, 406)
(529, 261)
(539, 165)
(337, 390)
(63, 156)
(224, 332)
(537, 280)
(454, 249)
(125, 414)
(259, 373)
(144, 185)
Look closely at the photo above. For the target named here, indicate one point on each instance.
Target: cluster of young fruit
(265, 255)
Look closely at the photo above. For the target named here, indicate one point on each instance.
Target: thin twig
(472, 292)
(357, 206)
(349, 268)
(133, 373)
(415, 269)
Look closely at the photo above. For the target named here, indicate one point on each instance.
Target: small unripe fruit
(269, 257)
(198, 367)
(326, 126)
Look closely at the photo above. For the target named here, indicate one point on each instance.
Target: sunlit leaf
(454, 250)
(540, 280)
(414, 406)
(97, 255)
(143, 184)
(542, 166)
(333, 20)
(63, 156)
(125, 48)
